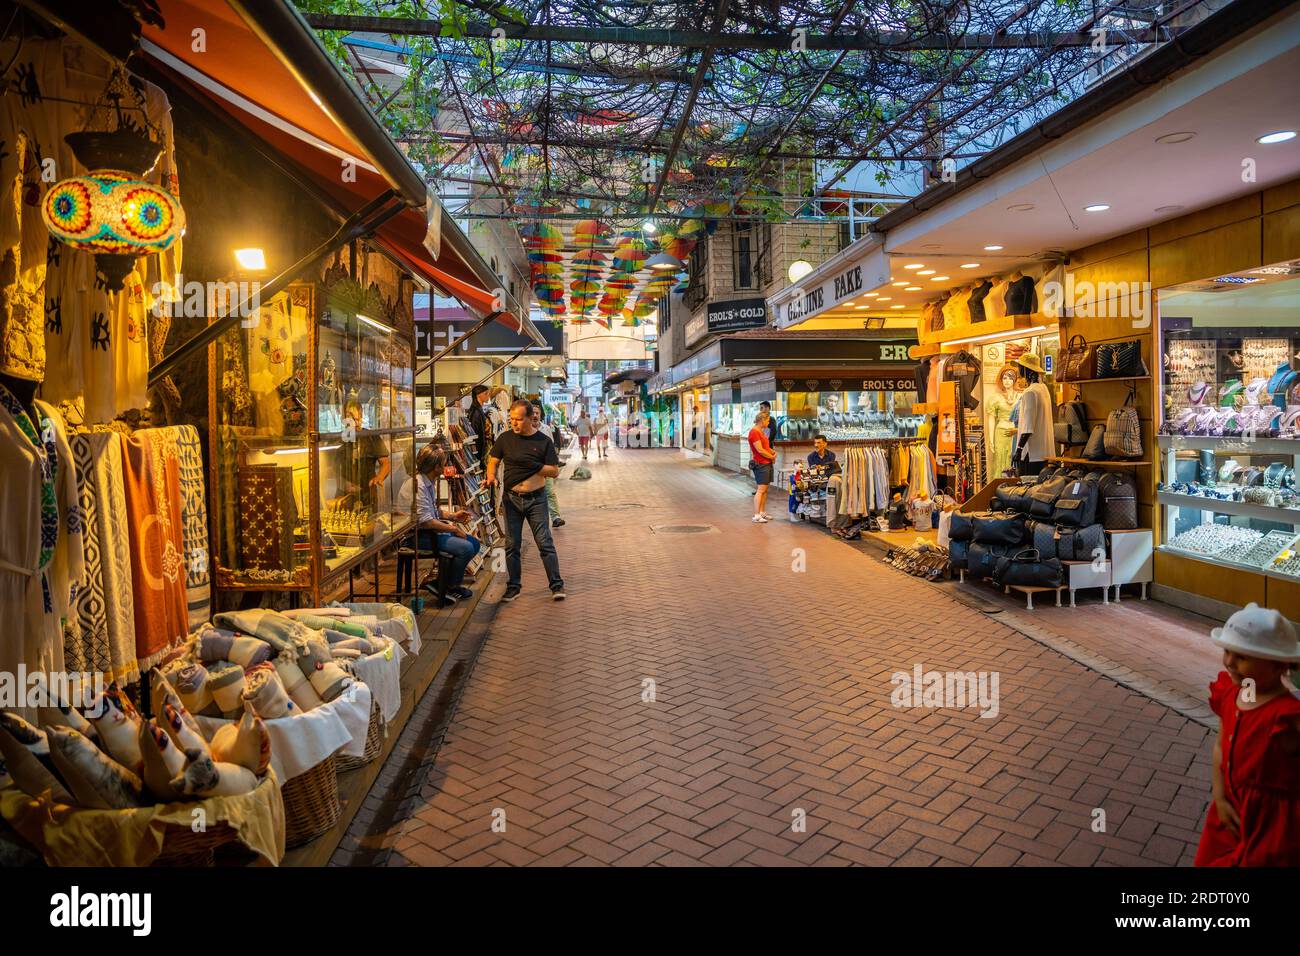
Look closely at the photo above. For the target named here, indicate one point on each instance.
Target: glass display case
(840, 416)
(1229, 434)
(312, 438)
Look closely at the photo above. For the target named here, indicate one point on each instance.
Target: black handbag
(961, 528)
(1118, 496)
(1012, 496)
(982, 558)
(958, 553)
(1042, 497)
(1076, 506)
(999, 527)
(1120, 359)
(1095, 449)
(1027, 568)
(1081, 544)
(1042, 536)
(1072, 426)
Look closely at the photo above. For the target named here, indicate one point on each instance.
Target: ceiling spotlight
(862, 307)
(1173, 208)
(913, 288)
(1170, 138)
(895, 306)
(993, 248)
(648, 225)
(970, 265)
(1281, 136)
(885, 298)
(1020, 207)
(251, 260)
(915, 265)
(870, 295)
(900, 283)
(1097, 207)
(926, 272)
(931, 245)
(938, 278)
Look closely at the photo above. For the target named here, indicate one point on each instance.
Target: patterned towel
(102, 638)
(194, 525)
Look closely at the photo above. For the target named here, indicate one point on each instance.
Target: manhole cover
(682, 528)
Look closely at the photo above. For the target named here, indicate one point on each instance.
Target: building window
(764, 254)
(698, 290)
(744, 258)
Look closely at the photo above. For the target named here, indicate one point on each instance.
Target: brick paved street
(772, 696)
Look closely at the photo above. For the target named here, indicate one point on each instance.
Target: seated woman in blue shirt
(435, 533)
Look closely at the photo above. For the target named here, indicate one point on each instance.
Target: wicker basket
(311, 803)
(374, 741)
(183, 847)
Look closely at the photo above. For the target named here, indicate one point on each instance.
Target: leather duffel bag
(958, 553)
(999, 527)
(1076, 506)
(1081, 544)
(1042, 496)
(1013, 497)
(1027, 568)
(982, 558)
(1042, 536)
(961, 528)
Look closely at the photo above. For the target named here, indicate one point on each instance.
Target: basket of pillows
(108, 787)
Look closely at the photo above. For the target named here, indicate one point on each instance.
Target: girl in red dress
(1254, 819)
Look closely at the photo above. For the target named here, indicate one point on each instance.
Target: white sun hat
(1256, 631)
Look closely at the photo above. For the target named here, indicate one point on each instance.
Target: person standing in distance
(601, 426)
(529, 458)
(761, 461)
(552, 499)
(583, 428)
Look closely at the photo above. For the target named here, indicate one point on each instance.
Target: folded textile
(317, 612)
(329, 680)
(214, 644)
(344, 653)
(249, 651)
(226, 681)
(295, 682)
(396, 621)
(191, 684)
(281, 632)
(95, 780)
(264, 690)
(338, 640)
(382, 673)
(338, 624)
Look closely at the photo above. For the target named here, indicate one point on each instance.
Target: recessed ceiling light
(900, 283)
(885, 298)
(915, 265)
(1168, 208)
(1097, 207)
(938, 278)
(926, 272)
(1020, 207)
(1281, 136)
(970, 265)
(1170, 138)
(870, 295)
(931, 245)
(993, 248)
(862, 307)
(913, 288)
(895, 306)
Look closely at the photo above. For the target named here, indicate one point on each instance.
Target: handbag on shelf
(1118, 496)
(1042, 497)
(1095, 447)
(1072, 428)
(1076, 506)
(1079, 361)
(1120, 360)
(961, 527)
(1042, 535)
(999, 527)
(1081, 544)
(1123, 437)
(1028, 568)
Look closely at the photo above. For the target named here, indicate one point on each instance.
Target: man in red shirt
(762, 458)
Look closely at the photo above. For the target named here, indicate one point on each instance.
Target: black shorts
(762, 472)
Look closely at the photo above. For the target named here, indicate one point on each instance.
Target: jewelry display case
(311, 437)
(1229, 435)
(840, 415)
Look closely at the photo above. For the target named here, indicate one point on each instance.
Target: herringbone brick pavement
(771, 650)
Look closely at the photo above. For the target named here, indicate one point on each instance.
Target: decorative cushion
(94, 779)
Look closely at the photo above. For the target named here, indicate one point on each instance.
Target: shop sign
(736, 314)
(867, 272)
(866, 383)
(696, 327)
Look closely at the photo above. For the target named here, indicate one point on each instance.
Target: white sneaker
(766, 515)
(761, 519)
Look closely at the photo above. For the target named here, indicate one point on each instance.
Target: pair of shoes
(557, 523)
(462, 592)
(446, 602)
(766, 515)
(760, 519)
(557, 594)
(510, 595)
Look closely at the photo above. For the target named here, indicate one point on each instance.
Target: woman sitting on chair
(435, 533)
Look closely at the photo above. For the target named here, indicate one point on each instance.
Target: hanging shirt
(1035, 419)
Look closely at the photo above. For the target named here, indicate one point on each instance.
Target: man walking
(552, 499)
(761, 460)
(530, 458)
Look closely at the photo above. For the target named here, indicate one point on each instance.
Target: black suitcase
(999, 527)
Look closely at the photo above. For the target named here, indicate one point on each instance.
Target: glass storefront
(839, 415)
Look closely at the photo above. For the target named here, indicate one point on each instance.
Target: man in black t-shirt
(527, 458)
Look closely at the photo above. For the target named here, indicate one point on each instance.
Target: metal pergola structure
(746, 108)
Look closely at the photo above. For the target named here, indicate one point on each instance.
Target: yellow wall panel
(1225, 249)
(1282, 235)
(1118, 246)
(1209, 580)
(1279, 197)
(1235, 210)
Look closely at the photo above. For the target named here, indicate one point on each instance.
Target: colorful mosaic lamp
(112, 212)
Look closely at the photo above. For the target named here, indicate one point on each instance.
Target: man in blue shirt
(435, 533)
(823, 456)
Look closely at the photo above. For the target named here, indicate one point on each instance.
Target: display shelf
(923, 351)
(1235, 566)
(1240, 508)
(1112, 378)
(984, 330)
(1101, 462)
(1254, 446)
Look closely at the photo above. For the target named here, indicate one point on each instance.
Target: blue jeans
(460, 550)
(530, 505)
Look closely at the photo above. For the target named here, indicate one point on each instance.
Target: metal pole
(446, 349)
(363, 221)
